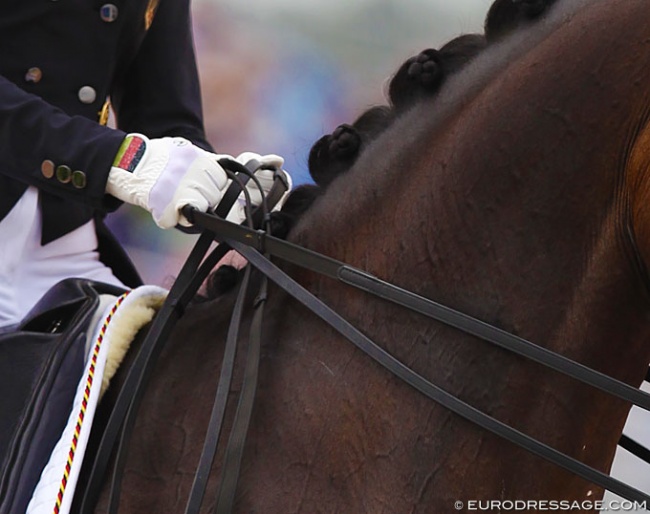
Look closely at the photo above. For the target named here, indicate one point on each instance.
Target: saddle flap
(59, 307)
(40, 367)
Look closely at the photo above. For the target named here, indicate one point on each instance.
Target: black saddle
(41, 363)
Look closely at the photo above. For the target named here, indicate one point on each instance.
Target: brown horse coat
(518, 195)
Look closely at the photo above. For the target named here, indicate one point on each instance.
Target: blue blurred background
(278, 74)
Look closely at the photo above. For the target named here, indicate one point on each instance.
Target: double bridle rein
(257, 246)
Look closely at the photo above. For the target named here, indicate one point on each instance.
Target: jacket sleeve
(32, 131)
(160, 94)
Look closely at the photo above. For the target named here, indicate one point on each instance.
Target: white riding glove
(163, 175)
(265, 176)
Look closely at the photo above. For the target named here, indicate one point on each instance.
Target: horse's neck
(520, 222)
(543, 258)
(531, 236)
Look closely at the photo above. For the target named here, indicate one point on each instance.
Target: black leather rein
(252, 244)
(257, 246)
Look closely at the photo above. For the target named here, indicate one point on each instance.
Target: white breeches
(28, 270)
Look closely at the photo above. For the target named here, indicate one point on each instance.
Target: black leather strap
(142, 368)
(220, 402)
(634, 448)
(180, 294)
(191, 276)
(237, 440)
(250, 242)
(377, 287)
(362, 280)
(427, 388)
(122, 418)
(239, 175)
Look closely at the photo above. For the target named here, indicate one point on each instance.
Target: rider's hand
(163, 175)
(265, 175)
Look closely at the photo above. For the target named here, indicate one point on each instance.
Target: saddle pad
(119, 324)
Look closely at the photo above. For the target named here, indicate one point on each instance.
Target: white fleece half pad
(113, 334)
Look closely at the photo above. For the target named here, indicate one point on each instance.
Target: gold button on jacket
(79, 179)
(47, 168)
(67, 55)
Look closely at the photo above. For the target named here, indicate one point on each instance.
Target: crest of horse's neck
(515, 210)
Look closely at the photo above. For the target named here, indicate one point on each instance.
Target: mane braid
(418, 78)
(334, 154)
(506, 16)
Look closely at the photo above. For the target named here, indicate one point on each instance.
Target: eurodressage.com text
(550, 505)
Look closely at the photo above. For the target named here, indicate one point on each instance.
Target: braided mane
(419, 78)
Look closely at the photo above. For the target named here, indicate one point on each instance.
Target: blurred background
(276, 75)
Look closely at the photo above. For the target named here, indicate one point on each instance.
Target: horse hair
(220, 281)
(296, 205)
(422, 76)
(333, 154)
(505, 16)
(418, 78)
